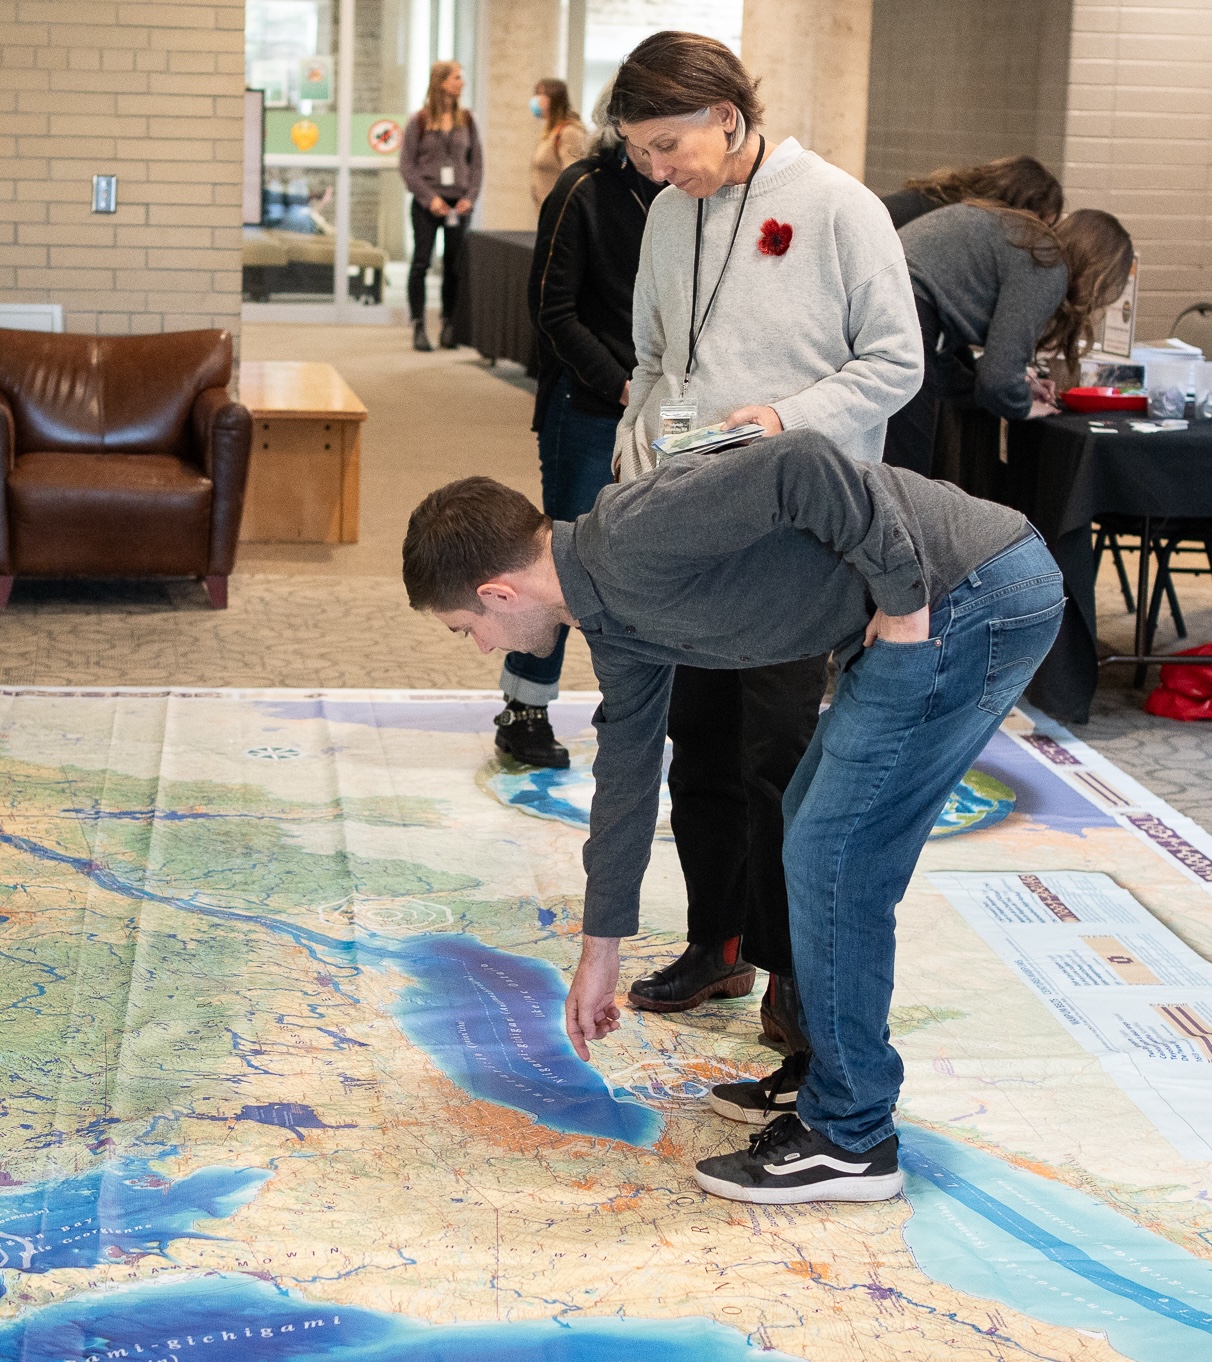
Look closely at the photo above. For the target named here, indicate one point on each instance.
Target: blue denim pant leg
(906, 723)
(575, 450)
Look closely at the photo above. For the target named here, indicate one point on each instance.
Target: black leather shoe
(524, 733)
(420, 341)
(447, 341)
(781, 1014)
(699, 973)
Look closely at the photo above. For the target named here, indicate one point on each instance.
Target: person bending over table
(995, 277)
(1017, 181)
(937, 607)
(771, 289)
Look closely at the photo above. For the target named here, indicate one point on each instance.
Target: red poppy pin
(775, 238)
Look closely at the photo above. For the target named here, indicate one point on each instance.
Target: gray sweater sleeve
(661, 528)
(1026, 301)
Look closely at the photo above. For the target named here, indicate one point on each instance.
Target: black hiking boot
(699, 973)
(524, 733)
(781, 1014)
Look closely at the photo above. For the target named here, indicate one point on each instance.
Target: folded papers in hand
(706, 440)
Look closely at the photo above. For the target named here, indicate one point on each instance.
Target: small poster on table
(1119, 325)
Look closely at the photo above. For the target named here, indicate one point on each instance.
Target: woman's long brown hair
(438, 103)
(1097, 252)
(1016, 181)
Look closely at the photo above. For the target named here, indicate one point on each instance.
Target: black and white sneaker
(787, 1163)
(760, 1100)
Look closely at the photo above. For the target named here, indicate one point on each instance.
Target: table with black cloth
(492, 313)
(1062, 476)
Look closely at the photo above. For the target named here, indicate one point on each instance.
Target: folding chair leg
(1125, 586)
(1164, 550)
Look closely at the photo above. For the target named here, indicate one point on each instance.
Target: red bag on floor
(1185, 692)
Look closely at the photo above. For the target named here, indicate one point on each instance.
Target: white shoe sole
(731, 1111)
(881, 1188)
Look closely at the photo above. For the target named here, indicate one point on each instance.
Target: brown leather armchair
(120, 456)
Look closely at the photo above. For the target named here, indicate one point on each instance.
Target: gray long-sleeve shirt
(986, 291)
(427, 150)
(746, 558)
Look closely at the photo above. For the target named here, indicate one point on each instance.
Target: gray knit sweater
(827, 333)
(987, 292)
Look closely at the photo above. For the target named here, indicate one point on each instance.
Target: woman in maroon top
(442, 165)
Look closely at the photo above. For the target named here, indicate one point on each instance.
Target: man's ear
(497, 597)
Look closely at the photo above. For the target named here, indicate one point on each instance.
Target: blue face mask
(536, 106)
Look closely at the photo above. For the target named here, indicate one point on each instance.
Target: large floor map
(284, 1076)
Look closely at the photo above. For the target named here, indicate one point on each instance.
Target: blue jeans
(575, 450)
(906, 723)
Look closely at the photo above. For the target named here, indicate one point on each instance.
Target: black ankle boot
(781, 1014)
(420, 341)
(524, 733)
(701, 972)
(448, 341)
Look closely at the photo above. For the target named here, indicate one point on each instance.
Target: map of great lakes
(281, 988)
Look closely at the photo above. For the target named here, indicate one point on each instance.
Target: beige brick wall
(153, 94)
(1139, 140)
(958, 82)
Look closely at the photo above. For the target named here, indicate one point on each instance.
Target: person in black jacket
(586, 256)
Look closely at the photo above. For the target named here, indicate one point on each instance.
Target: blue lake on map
(990, 1229)
(116, 1211)
(248, 1320)
(494, 1024)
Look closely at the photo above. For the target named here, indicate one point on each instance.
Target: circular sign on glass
(385, 136)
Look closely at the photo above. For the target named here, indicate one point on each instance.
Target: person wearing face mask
(585, 258)
(772, 290)
(442, 164)
(562, 142)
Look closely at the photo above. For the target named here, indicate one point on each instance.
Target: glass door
(339, 78)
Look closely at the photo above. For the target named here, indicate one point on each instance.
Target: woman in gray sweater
(772, 289)
(991, 276)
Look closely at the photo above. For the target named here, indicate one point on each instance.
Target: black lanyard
(696, 336)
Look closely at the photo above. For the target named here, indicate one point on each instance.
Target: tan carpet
(312, 615)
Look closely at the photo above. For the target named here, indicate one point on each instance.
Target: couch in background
(120, 456)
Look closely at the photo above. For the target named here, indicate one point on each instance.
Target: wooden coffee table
(305, 465)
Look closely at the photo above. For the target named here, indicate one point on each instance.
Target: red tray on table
(1103, 399)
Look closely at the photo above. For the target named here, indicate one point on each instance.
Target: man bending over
(937, 608)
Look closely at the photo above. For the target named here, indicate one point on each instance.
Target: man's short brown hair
(463, 535)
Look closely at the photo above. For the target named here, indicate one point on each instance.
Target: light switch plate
(105, 193)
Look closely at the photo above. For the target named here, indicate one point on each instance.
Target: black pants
(425, 228)
(737, 738)
(912, 430)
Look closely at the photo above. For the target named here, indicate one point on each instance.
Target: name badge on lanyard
(446, 176)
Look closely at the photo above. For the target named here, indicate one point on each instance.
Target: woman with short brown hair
(772, 289)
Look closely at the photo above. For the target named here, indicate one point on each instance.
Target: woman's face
(542, 103)
(689, 152)
(453, 84)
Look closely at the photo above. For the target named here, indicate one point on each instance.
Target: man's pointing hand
(589, 1010)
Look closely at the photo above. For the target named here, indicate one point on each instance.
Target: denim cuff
(528, 692)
